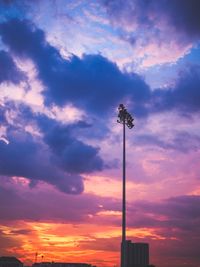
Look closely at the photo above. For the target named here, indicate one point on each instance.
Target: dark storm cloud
(182, 15)
(71, 154)
(26, 157)
(91, 82)
(8, 70)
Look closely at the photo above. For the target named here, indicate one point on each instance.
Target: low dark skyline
(65, 66)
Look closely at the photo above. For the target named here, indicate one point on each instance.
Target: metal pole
(126, 119)
(124, 200)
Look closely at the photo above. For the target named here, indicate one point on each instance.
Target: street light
(126, 119)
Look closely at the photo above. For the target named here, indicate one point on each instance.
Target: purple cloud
(94, 83)
(9, 71)
(181, 141)
(91, 82)
(26, 157)
(184, 96)
(180, 212)
(179, 15)
(70, 153)
(50, 205)
(57, 157)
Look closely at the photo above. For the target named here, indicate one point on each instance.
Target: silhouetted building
(137, 254)
(10, 262)
(60, 264)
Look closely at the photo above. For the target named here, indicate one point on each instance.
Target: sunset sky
(65, 66)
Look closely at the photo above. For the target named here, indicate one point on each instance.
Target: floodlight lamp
(125, 117)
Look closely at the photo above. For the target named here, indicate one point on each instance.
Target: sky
(65, 66)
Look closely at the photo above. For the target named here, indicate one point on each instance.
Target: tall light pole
(126, 119)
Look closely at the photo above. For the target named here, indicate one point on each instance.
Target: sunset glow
(65, 66)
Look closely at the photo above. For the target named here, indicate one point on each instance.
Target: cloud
(91, 82)
(185, 95)
(181, 141)
(102, 244)
(47, 204)
(177, 222)
(7, 243)
(50, 152)
(183, 15)
(26, 157)
(181, 213)
(9, 71)
(150, 14)
(71, 154)
(2, 115)
(171, 225)
(154, 28)
(21, 232)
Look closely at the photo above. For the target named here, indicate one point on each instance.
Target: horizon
(65, 66)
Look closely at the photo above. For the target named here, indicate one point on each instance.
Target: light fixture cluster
(125, 117)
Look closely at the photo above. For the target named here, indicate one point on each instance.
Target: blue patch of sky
(8, 12)
(193, 56)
